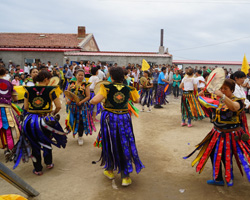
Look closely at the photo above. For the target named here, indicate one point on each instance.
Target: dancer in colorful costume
(239, 78)
(40, 127)
(225, 139)
(118, 142)
(79, 118)
(160, 95)
(190, 107)
(147, 93)
(95, 109)
(9, 126)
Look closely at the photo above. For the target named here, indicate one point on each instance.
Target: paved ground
(161, 143)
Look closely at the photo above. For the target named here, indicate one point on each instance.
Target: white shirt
(136, 77)
(81, 66)
(170, 77)
(7, 77)
(246, 81)
(49, 67)
(200, 84)
(26, 69)
(188, 83)
(101, 75)
(240, 93)
(93, 80)
(105, 69)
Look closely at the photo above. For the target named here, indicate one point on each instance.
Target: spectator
(15, 81)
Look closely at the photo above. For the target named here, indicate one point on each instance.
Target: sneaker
(183, 124)
(50, 166)
(96, 120)
(149, 110)
(190, 125)
(80, 141)
(37, 173)
(110, 175)
(157, 106)
(213, 182)
(142, 110)
(126, 181)
(230, 183)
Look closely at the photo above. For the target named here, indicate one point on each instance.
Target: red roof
(112, 53)
(205, 62)
(37, 49)
(39, 40)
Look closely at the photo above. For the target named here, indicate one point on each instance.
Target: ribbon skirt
(9, 128)
(223, 146)
(118, 143)
(190, 107)
(160, 95)
(74, 115)
(98, 106)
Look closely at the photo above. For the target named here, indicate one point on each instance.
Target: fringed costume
(160, 95)
(9, 126)
(95, 108)
(79, 119)
(190, 107)
(39, 128)
(118, 141)
(226, 139)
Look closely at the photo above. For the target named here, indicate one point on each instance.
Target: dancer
(146, 94)
(9, 126)
(190, 107)
(225, 138)
(79, 118)
(160, 96)
(40, 126)
(118, 141)
(95, 109)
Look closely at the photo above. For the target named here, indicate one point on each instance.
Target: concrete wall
(233, 67)
(18, 57)
(122, 60)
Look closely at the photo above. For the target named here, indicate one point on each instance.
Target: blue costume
(118, 142)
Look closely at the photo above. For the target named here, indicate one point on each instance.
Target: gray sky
(193, 29)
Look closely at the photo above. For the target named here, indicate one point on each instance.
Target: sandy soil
(161, 143)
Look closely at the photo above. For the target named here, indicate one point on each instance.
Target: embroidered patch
(119, 97)
(119, 87)
(37, 102)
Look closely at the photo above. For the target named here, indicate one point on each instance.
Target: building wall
(18, 57)
(90, 46)
(122, 60)
(233, 67)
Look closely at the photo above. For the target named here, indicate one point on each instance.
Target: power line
(182, 2)
(209, 45)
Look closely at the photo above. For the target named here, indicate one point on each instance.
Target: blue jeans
(189, 120)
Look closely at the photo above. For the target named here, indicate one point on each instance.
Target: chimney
(81, 32)
(161, 48)
(161, 37)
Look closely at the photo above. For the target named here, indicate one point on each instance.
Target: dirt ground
(161, 143)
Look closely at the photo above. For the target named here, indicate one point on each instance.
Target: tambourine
(71, 96)
(98, 85)
(143, 81)
(54, 81)
(215, 80)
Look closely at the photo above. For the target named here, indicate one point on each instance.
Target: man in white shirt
(200, 80)
(101, 74)
(50, 67)
(81, 65)
(135, 74)
(26, 68)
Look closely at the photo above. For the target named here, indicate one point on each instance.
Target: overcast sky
(193, 29)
